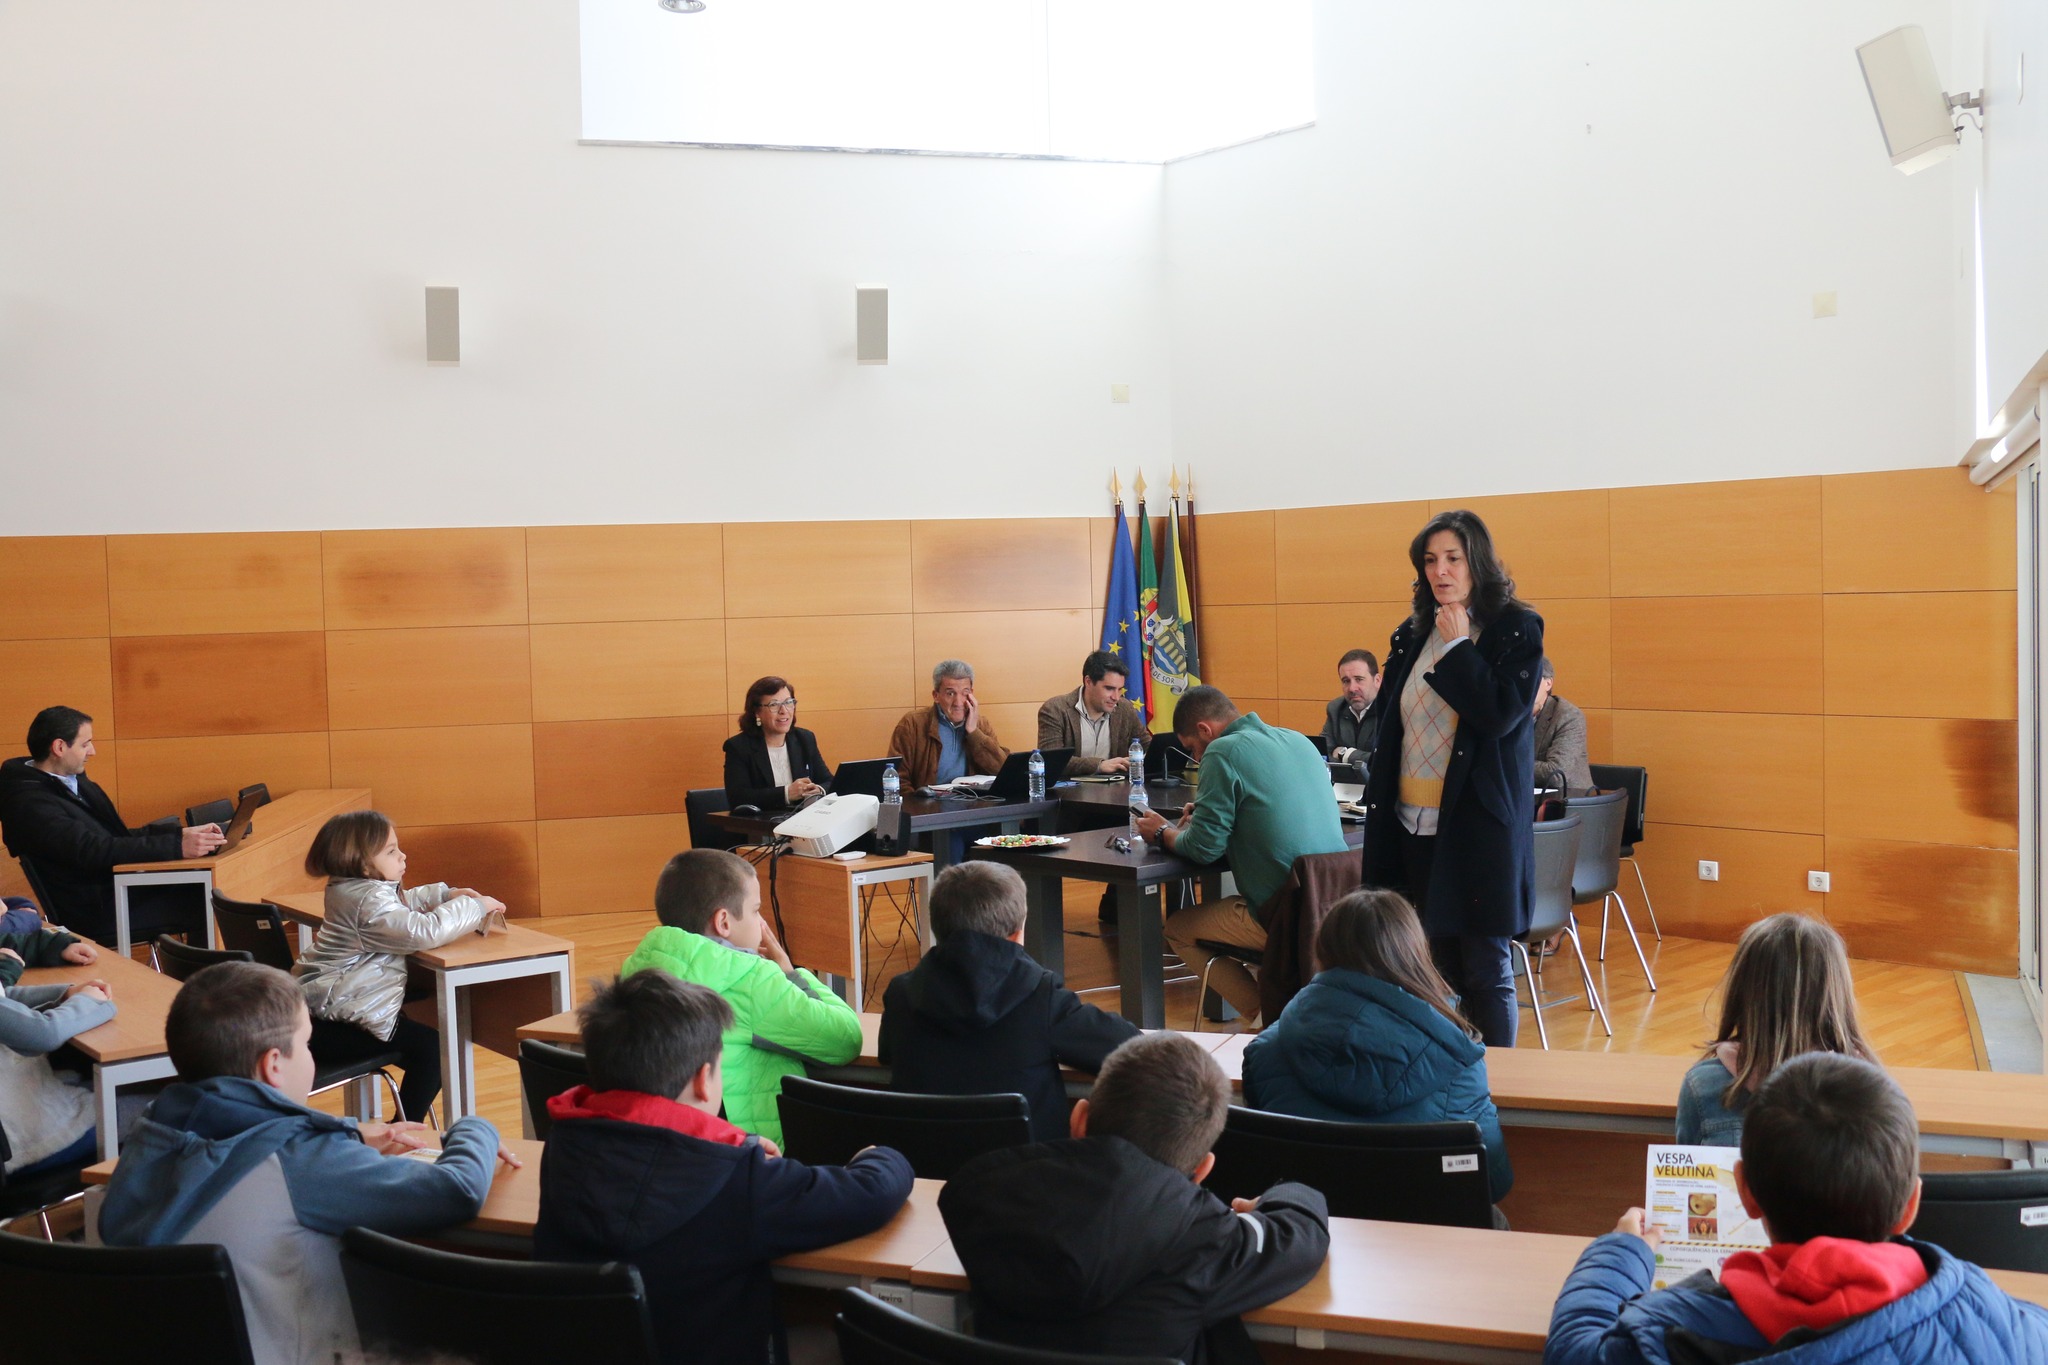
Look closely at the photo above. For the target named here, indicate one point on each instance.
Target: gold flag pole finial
(1173, 480)
(1191, 483)
(1116, 487)
(1140, 484)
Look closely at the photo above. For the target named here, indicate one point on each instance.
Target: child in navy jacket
(1830, 1163)
(640, 1168)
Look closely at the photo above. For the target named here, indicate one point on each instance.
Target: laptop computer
(1165, 759)
(242, 821)
(1013, 783)
(1322, 744)
(863, 776)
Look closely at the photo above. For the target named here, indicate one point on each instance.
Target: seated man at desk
(1351, 722)
(950, 739)
(57, 820)
(1264, 800)
(1560, 738)
(1094, 720)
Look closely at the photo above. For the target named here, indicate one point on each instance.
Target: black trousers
(419, 1049)
(152, 911)
(1479, 968)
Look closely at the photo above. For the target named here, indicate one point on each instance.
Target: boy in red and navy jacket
(640, 1168)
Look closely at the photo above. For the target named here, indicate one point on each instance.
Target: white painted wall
(2015, 189)
(216, 218)
(1561, 246)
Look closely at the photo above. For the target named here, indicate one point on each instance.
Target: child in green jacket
(712, 932)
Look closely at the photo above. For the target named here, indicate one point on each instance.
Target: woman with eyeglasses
(772, 761)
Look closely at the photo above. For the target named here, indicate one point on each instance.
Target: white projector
(827, 825)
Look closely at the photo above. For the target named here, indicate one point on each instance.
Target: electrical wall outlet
(1709, 872)
(1817, 881)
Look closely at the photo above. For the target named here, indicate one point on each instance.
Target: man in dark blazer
(1351, 721)
(1094, 720)
(58, 821)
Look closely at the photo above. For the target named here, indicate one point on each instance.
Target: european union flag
(1123, 630)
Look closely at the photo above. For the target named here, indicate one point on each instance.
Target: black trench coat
(1484, 878)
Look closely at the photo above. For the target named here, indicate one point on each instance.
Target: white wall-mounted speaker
(444, 325)
(871, 324)
(1905, 89)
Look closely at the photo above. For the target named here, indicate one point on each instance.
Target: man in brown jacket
(949, 739)
(1093, 720)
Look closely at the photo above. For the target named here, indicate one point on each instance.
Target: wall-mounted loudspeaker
(1912, 108)
(444, 325)
(871, 324)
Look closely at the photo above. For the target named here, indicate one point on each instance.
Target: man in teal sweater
(1264, 800)
(713, 933)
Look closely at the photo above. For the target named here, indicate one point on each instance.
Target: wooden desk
(485, 986)
(825, 904)
(923, 815)
(128, 1049)
(271, 858)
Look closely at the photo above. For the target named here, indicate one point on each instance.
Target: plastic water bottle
(1136, 758)
(1036, 772)
(1138, 806)
(892, 786)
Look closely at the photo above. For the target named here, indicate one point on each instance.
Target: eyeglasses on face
(789, 705)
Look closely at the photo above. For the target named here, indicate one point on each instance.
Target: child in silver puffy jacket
(354, 976)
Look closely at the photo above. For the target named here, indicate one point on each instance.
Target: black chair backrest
(255, 928)
(38, 890)
(699, 804)
(1557, 853)
(1634, 781)
(412, 1300)
(875, 1333)
(1598, 865)
(121, 1303)
(825, 1124)
(1396, 1172)
(259, 790)
(1995, 1218)
(178, 960)
(545, 1071)
(211, 813)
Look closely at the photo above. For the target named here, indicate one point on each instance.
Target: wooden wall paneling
(1311, 637)
(40, 673)
(616, 669)
(844, 736)
(625, 573)
(1016, 724)
(1762, 873)
(593, 867)
(1600, 736)
(441, 775)
(501, 860)
(1736, 771)
(832, 663)
(1578, 635)
(448, 675)
(1234, 559)
(1554, 544)
(214, 584)
(1917, 530)
(163, 776)
(1924, 781)
(1288, 713)
(442, 577)
(584, 768)
(821, 568)
(1694, 539)
(1923, 654)
(1017, 656)
(176, 685)
(1004, 564)
(1342, 554)
(105, 768)
(1240, 650)
(1100, 546)
(1931, 904)
(53, 587)
(1718, 654)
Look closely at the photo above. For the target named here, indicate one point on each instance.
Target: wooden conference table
(1396, 1289)
(128, 1049)
(271, 858)
(923, 815)
(485, 985)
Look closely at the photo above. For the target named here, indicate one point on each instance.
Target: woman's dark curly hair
(1493, 591)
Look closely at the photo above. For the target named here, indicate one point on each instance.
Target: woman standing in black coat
(772, 762)
(1450, 821)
